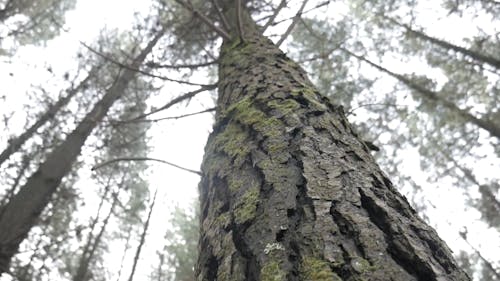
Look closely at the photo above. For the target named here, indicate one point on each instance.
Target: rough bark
(22, 211)
(16, 143)
(489, 125)
(289, 193)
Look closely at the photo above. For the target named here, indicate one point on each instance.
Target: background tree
(336, 51)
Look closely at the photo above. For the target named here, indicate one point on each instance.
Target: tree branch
(109, 162)
(275, 14)
(172, 66)
(292, 25)
(240, 23)
(137, 69)
(306, 11)
(172, 102)
(176, 117)
(203, 18)
(221, 15)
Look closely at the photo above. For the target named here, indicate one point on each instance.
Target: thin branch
(275, 14)
(203, 18)
(305, 12)
(138, 70)
(294, 22)
(372, 104)
(109, 162)
(239, 21)
(172, 102)
(487, 263)
(177, 117)
(221, 15)
(177, 66)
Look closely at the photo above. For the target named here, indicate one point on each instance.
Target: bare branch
(292, 25)
(238, 19)
(275, 14)
(221, 15)
(137, 69)
(172, 102)
(176, 117)
(306, 11)
(351, 112)
(109, 162)
(203, 18)
(177, 66)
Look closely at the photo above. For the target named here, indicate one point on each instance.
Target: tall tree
(143, 237)
(20, 214)
(16, 143)
(288, 191)
(32, 21)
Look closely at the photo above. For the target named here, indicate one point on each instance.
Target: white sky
(182, 141)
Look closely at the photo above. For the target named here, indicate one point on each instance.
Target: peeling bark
(288, 192)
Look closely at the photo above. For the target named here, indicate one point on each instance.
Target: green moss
(216, 163)
(246, 207)
(246, 113)
(235, 182)
(310, 94)
(233, 141)
(271, 271)
(284, 106)
(314, 269)
(223, 220)
(361, 265)
(233, 44)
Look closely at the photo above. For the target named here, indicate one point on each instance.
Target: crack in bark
(398, 245)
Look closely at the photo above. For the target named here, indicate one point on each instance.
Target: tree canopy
(419, 81)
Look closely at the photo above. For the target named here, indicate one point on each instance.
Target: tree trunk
(289, 193)
(91, 247)
(143, 238)
(491, 127)
(22, 211)
(16, 143)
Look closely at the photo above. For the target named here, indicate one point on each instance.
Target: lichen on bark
(288, 191)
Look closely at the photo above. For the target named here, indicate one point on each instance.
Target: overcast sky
(182, 141)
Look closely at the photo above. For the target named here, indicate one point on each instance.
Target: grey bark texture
(288, 192)
(19, 215)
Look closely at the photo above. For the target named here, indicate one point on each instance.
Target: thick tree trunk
(289, 193)
(489, 125)
(16, 143)
(20, 214)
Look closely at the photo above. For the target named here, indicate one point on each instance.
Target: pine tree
(289, 192)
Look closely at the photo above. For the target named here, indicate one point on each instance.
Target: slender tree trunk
(127, 246)
(22, 211)
(289, 193)
(448, 46)
(143, 238)
(16, 143)
(83, 263)
(485, 124)
(91, 247)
